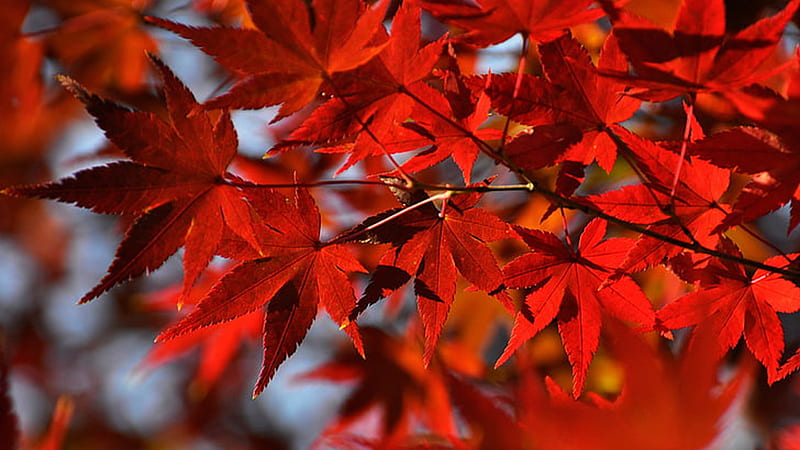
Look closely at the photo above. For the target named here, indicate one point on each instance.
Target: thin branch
(687, 136)
(531, 186)
(247, 184)
(695, 247)
(523, 61)
(431, 199)
(559, 200)
(565, 226)
(483, 146)
(405, 176)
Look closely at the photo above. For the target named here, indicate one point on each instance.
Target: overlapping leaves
(176, 183)
(429, 245)
(375, 96)
(292, 51)
(299, 274)
(567, 285)
(734, 304)
(698, 55)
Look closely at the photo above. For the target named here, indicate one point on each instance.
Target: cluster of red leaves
(358, 90)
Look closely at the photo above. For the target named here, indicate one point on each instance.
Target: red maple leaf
(657, 392)
(176, 183)
(488, 417)
(217, 345)
(773, 162)
(692, 215)
(568, 286)
(393, 380)
(490, 22)
(103, 43)
(368, 103)
(697, 56)
(736, 304)
(31, 114)
(299, 274)
(429, 245)
(292, 52)
(570, 110)
(459, 139)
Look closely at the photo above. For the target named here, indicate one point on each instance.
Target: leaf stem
(559, 200)
(485, 148)
(385, 220)
(687, 136)
(695, 247)
(530, 186)
(247, 184)
(405, 176)
(523, 60)
(567, 237)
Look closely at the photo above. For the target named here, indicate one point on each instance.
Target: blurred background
(90, 377)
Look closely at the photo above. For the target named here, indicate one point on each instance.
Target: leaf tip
(86, 298)
(162, 337)
(502, 360)
(259, 388)
(159, 64)
(73, 87)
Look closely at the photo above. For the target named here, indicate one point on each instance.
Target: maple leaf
(31, 114)
(773, 162)
(487, 416)
(225, 11)
(176, 183)
(568, 287)
(697, 56)
(459, 139)
(693, 215)
(775, 107)
(292, 51)
(28, 118)
(429, 245)
(299, 274)
(218, 345)
(736, 304)
(658, 390)
(54, 436)
(490, 22)
(102, 43)
(393, 380)
(369, 103)
(571, 110)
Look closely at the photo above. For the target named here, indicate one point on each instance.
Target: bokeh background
(95, 365)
